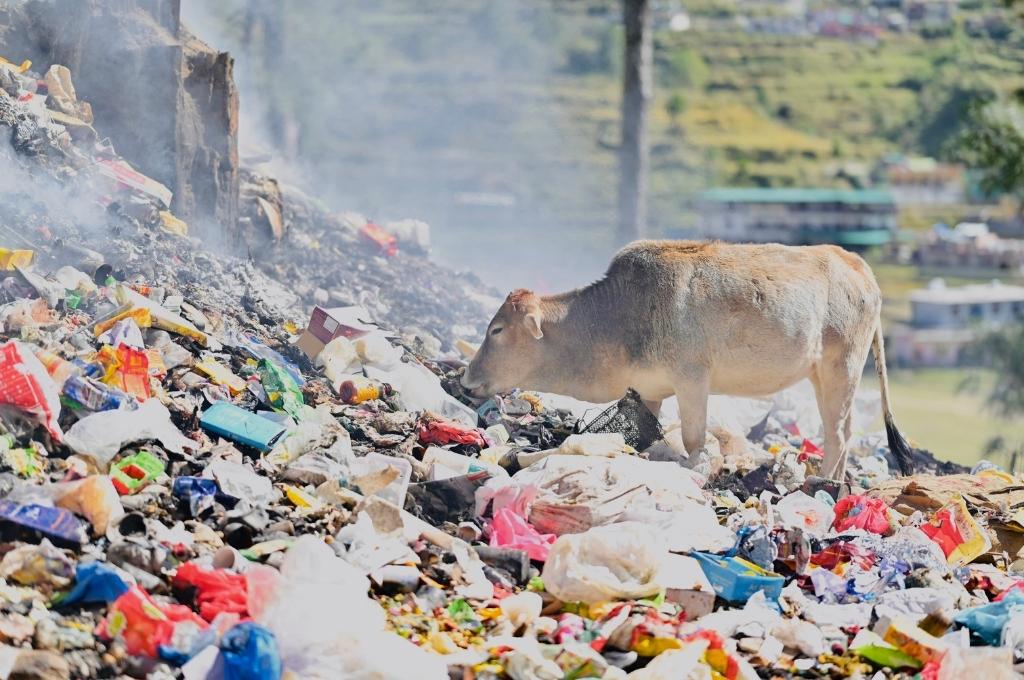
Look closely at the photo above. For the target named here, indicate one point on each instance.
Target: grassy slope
(955, 425)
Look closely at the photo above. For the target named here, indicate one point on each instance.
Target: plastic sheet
(619, 561)
(101, 436)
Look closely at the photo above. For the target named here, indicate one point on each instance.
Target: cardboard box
(327, 324)
(310, 345)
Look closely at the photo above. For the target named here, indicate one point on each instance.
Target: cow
(699, 318)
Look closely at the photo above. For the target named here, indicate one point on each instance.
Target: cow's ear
(532, 321)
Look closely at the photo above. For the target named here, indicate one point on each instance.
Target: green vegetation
(935, 414)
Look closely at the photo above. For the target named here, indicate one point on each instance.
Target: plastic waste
(26, 389)
(250, 653)
(282, 390)
(220, 375)
(125, 369)
(988, 621)
(94, 498)
(134, 472)
(315, 642)
(736, 579)
(862, 512)
(35, 565)
(239, 425)
(509, 530)
(101, 436)
(385, 476)
(339, 359)
(619, 561)
(144, 624)
(241, 481)
(56, 523)
(217, 590)
(800, 511)
(420, 390)
(96, 582)
(957, 533)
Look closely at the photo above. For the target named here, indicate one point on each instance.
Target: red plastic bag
(444, 432)
(27, 388)
(218, 590)
(509, 530)
(143, 624)
(861, 512)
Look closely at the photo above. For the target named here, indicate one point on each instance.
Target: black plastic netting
(631, 418)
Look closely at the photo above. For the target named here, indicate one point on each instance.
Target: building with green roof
(853, 218)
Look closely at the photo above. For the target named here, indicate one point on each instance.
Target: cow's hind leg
(835, 381)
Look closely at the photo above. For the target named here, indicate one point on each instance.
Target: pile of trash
(198, 481)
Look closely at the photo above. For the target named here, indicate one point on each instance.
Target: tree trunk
(636, 95)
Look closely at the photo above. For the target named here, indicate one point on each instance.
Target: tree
(636, 95)
(1003, 352)
(993, 141)
(674, 107)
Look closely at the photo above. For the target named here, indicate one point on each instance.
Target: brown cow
(694, 319)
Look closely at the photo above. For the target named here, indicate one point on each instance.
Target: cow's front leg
(692, 395)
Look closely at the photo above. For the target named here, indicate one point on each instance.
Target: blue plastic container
(735, 579)
(241, 426)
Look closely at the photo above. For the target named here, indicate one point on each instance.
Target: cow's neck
(580, 355)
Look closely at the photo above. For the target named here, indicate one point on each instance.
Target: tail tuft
(899, 447)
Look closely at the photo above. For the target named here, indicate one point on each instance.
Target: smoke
(441, 110)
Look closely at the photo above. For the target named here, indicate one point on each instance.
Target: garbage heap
(199, 482)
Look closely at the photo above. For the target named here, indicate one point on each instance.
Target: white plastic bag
(101, 436)
(800, 511)
(614, 562)
(327, 627)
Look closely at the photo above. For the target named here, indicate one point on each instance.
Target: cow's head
(512, 349)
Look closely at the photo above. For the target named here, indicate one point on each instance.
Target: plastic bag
(101, 436)
(420, 390)
(618, 561)
(327, 627)
(339, 359)
(956, 532)
(94, 498)
(282, 390)
(250, 653)
(241, 481)
(800, 511)
(143, 623)
(27, 389)
(126, 369)
(385, 476)
(217, 590)
(989, 620)
(96, 582)
(862, 512)
(509, 530)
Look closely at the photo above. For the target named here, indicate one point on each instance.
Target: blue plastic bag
(988, 620)
(250, 653)
(95, 582)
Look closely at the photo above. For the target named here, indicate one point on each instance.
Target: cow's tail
(897, 444)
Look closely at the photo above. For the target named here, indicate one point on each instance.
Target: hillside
(497, 122)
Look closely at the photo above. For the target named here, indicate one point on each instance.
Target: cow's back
(741, 308)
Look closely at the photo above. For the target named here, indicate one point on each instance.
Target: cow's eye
(495, 331)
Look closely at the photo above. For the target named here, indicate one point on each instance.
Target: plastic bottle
(358, 389)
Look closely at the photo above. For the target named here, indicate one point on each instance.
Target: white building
(853, 218)
(945, 320)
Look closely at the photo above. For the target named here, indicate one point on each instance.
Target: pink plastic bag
(861, 512)
(509, 530)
